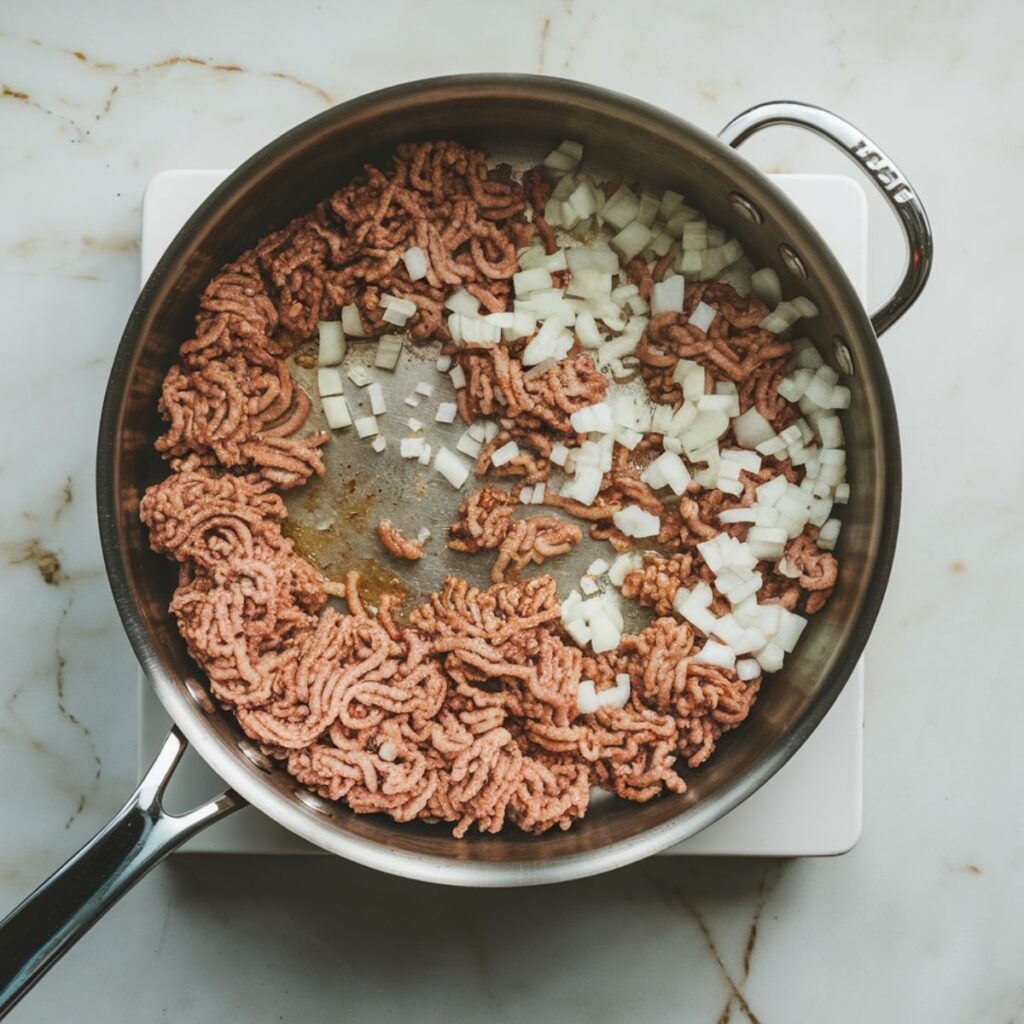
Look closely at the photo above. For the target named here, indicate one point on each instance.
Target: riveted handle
(38, 932)
(888, 178)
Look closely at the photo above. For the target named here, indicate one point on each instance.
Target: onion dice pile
(598, 307)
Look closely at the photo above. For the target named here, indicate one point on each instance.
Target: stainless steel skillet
(524, 116)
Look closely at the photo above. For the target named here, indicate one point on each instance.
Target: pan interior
(622, 138)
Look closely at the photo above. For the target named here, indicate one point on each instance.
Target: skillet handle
(37, 933)
(889, 179)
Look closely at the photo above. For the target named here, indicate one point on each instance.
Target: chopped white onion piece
(453, 468)
(748, 460)
(425, 389)
(623, 566)
(702, 316)
(329, 382)
(584, 485)
(424, 459)
(351, 322)
(526, 281)
(667, 295)
(446, 412)
(751, 429)
(359, 375)
(713, 653)
(631, 240)
(396, 310)
(389, 349)
(670, 203)
(634, 521)
(766, 286)
(462, 302)
(747, 669)
(332, 343)
(842, 494)
(770, 657)
(559, 453)
(673, 471)
(412, 401)
(379, 443)
(588, 585)
(458, 376)
(469, 445)
(805, 307)
(829, 534)
(415, 260)
(443, 364)
(366, 426)
(592, 258)
(589, 284)
(410, 447)
(598, 567)
(504, 454)
(336, 410)
(695, 235)
(415, 425)
(378, 406)
(597, 417)
(621, 209)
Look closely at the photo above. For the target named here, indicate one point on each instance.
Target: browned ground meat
(483, 520)
(533, 540)
(399, 546)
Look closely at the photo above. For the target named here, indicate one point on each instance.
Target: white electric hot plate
(811, 807)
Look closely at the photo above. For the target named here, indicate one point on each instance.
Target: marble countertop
(920, 921)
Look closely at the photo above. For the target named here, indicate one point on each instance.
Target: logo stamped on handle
(883, 171)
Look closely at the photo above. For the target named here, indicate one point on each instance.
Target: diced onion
(332, 343)
(634, 521)
(468, 445)
(378, 406)
(506, 453)
(359, 375)
(336, 410)
(702, 316)
(396, 310)
(366, 426)
(765, 284)
(389, 348)
(410, 447)
(351, 322)
(462, 302)
(329, 382)
(453, 468)
(415, 260)
(747, 669)
(751, 429)
(379, 443)
(631, 240)
(446, 412)
(667, 296)
(597, 417)
(713, 653)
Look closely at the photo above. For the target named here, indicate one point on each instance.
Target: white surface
(812, 806)
(920, 922)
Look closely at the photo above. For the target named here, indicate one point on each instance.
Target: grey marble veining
(920, 922)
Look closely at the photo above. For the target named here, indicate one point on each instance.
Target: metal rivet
(794, 264)
(254, 754)
(199, 695)
(313, 802)
(844, 358)
(745, 208)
